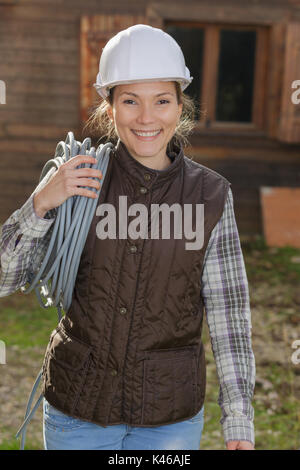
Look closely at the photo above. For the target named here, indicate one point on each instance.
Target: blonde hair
(99, 122)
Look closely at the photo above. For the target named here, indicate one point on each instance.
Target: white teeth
(147, 134)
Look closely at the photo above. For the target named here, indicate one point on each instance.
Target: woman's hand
(66, 182)
(239, 445)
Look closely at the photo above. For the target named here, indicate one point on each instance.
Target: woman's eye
(132, 101)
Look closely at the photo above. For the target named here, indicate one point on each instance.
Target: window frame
(208, 94)
(278, 117)
(275, 18)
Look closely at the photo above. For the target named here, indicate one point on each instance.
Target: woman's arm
(23, 242)
(226, 297)
(25, 235)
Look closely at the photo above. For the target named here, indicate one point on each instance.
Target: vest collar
(148, 176)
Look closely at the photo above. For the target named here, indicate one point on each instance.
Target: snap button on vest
(147, 177)
(143, 190)
(133, 249)
(123, 310)
(114, 372)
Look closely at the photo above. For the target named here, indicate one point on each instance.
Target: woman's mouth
(147, 135)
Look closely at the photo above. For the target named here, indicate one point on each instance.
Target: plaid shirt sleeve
(24, 239)
(226, 298)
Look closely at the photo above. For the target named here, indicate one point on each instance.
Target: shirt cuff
(31, 225)
(238, 429)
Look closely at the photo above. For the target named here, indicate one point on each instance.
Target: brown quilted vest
(129, 348)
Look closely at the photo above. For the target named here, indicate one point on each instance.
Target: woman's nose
(146, 115)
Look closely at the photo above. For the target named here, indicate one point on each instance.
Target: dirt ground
(275, 325)
(17, 379)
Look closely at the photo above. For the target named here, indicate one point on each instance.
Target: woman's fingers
(74, 162)
(68, 181)
(79, 159)
(79, 172)
(86, 182)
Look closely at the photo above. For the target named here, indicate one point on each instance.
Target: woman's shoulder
(193, 166)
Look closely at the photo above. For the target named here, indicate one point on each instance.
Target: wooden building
(244, 57)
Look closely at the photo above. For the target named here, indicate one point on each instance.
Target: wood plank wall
(39, 62)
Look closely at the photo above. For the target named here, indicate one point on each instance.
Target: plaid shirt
(24, 241)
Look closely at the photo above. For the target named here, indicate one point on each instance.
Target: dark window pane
(191, 42)
(235, 76)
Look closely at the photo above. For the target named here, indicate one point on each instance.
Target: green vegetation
(27, 328)
(274, 281)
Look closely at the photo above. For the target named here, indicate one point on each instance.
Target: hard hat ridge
(141, 53)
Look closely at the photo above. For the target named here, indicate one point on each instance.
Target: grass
(274, 281)
(15, 445)
(27, 327)
(272, 265)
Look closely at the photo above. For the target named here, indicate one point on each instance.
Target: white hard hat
(141, 53)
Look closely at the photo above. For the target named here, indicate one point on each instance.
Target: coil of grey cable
(56, 276)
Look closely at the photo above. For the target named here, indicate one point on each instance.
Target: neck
(158, 162)
(154, 164)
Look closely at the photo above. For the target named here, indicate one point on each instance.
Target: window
(191, 41)
(228, 65)
(242, 73)
(234, 94)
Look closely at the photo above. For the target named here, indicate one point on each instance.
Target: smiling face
(145, 116)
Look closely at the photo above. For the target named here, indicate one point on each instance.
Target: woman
(125, 368)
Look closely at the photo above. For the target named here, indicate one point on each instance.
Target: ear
(180, 108)
(110, 112)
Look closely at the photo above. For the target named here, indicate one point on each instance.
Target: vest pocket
(169, 385)
(64, 370)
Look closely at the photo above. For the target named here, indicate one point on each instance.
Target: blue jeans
(62, 432)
